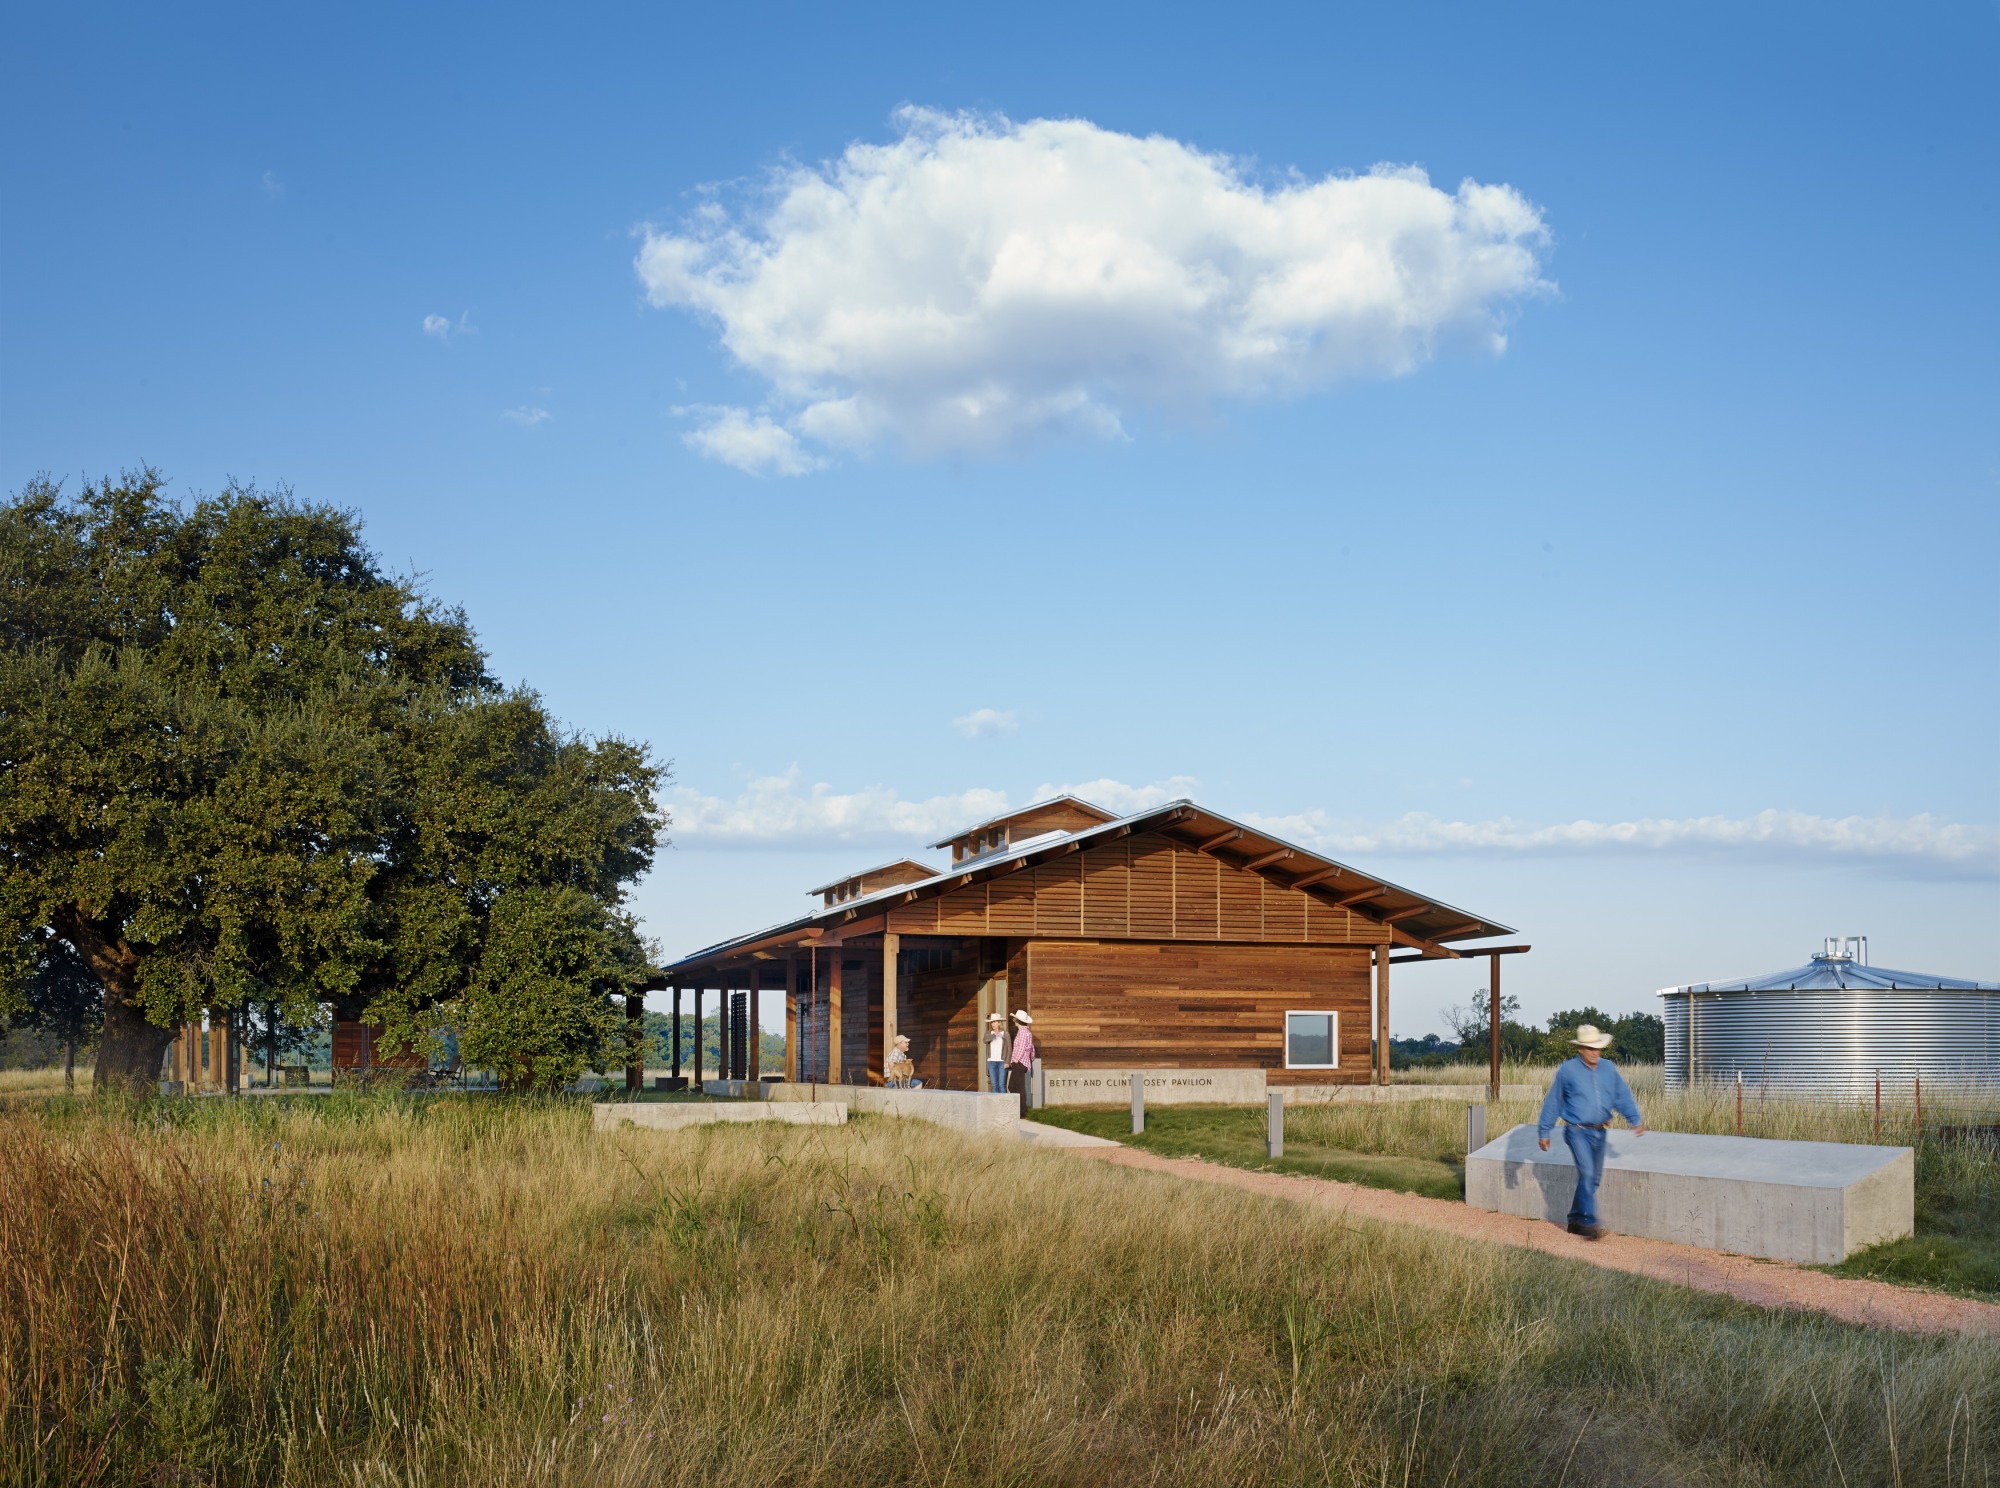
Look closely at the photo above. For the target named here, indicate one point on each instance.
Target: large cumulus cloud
(976, 283)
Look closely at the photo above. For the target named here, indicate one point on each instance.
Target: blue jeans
(1586, 1145)
(996, 1076)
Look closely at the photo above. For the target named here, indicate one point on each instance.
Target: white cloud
(750, 442)
(981, 722)
(1915, 840)
(272, 187)
(527, 417)
(445, 329)
(776, 811)
(772, 811)
(1115, 795)
(977, 282)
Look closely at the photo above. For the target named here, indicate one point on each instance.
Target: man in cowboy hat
(900, 1069)
(1585, 1093)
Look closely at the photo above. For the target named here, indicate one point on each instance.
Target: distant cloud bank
(981, 722)
(780, 811)
(978, 283)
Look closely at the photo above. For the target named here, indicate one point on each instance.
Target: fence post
(1920, 1109)
(1878, 1105)
(1475, 1128)
(1739, 1103)
(1138, 1102)
(1274, 1133)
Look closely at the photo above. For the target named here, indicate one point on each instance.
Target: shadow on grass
(1235, 1135)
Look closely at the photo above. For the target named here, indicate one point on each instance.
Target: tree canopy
(239, 762)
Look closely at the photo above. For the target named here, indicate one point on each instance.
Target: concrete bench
(1812, 1202)
(673, 1115)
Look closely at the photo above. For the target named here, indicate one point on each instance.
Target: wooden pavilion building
(1170, 938)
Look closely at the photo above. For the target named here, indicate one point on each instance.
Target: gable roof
(1057, 814)
(882, 875)
(1416, 920)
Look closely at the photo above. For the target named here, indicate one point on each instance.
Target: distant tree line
(1637, 1038)
(241, 765)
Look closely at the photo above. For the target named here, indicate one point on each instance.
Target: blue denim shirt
(1583, 1096)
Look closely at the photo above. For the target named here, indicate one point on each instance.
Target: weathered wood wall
(1122, 1005)
(1145, 887)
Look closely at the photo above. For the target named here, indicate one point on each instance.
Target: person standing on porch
(996, 1053)
(1024, 1045)
(1585, 1093)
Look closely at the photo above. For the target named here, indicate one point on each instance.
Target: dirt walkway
(1761, 1283)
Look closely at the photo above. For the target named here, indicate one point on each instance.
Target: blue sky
(1713, 536)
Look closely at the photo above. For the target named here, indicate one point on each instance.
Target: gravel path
(1761, 1283)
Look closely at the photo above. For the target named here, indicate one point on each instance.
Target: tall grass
(376, 1289)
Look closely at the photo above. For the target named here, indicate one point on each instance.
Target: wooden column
(218, 1048)
(1382, 1014)
(635, 1033)
(753, 1036)
(891, 943)
(697, 1038)
(677, 1030)
(835, 1067)
(792, 1018)
(724, 1055)
(1493, 1031)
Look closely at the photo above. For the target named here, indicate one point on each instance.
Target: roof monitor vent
(1845, 948)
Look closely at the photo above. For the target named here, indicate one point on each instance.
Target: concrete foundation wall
(1811, 1202)
(960, 1110)
(1164, 1087)
(674, 1115)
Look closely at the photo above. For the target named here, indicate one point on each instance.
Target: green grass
(1235, 1135)
(379, 1289)
(1956, 1247)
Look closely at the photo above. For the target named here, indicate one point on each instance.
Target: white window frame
(1334, 1014)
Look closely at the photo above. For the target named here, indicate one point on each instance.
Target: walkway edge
(1771, 1284)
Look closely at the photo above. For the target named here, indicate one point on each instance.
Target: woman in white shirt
(996, 1053)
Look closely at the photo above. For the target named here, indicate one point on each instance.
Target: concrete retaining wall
(673, 1115)
(1812, 1202)
(1164, 1087)
(960, 1110)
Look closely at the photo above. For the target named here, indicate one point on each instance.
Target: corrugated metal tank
(1827, 1027)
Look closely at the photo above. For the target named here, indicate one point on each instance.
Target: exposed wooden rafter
(1266, 860)
(1346, 901)
(1219, 839)
(1318, 876)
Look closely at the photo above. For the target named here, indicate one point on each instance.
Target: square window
(1312, 1040)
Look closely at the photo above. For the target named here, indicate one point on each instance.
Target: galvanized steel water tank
(1825, 1028)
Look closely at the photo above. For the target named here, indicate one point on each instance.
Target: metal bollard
(1475, 1129)
(1138, 1102)
(1274, 1135)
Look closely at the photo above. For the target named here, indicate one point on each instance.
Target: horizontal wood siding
(1140, 888)
(1125, 1004)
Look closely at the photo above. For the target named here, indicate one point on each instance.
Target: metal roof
(871, 872)
(1076, 803)
(1415, 914)
(1830, 973)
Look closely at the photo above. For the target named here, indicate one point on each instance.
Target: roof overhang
(1416, 922)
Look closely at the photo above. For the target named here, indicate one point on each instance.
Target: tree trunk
(131, 1048)
(69, 1066)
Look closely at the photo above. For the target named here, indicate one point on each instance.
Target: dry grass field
(375, 1290)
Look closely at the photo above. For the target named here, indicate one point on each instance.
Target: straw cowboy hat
(902, 1038)
(1021, 1016)
(996, 1017)
(1590, 1036)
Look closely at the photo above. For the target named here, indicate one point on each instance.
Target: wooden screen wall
(939, 1010)
(1123, 1005)
(1145, 887)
